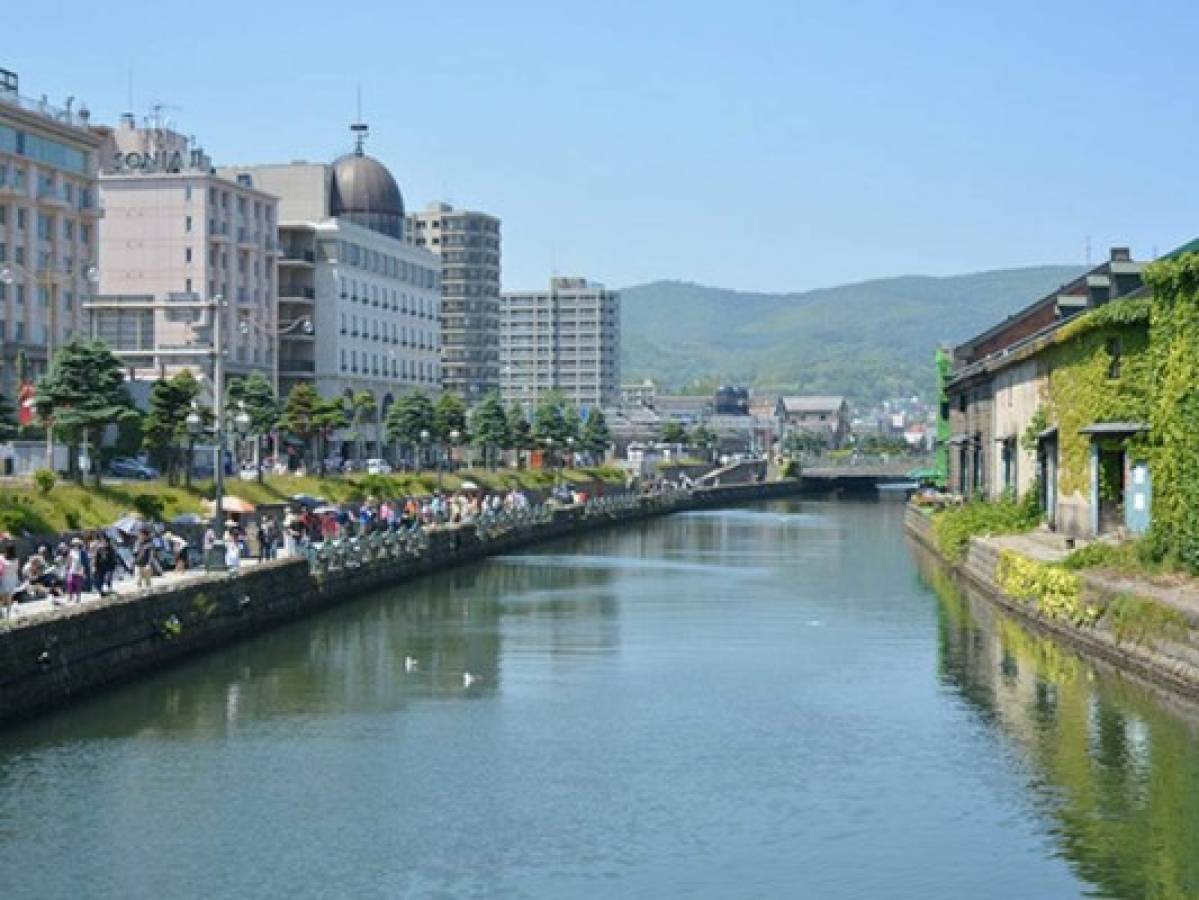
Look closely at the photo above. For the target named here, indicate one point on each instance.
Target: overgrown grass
(1131, 557)
(955, 526)
(1145, 621)
(68, 506)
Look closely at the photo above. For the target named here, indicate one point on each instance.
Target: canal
(775, 701)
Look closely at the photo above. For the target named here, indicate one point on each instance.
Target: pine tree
(257, 396)
(299, 416)
(596, 435)
(489, 427)
(520, 432)
(84, 392)
(166, 425)
(449, 415)
(408, 417)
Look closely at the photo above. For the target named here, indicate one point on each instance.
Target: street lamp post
(455, 436)
(304, 323)
(425, 437)
(216, 305)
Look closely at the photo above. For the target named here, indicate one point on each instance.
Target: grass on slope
(69, 506)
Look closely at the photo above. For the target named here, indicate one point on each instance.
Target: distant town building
(177, 232)
(827, 416)
(642, 393)
(374, 299)
(731, 401)
(686, 409)
(565, 339)
(49, 213)
(468, 244)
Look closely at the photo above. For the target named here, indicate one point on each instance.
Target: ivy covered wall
(1081, 389)
(1174, 408)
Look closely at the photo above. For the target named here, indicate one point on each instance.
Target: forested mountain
(870, 340)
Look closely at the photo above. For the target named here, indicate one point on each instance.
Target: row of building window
(46, 225)
(386, 298)
(76, 197)
(384, 264)
(43, 150)
(373, 328)
(400, 368)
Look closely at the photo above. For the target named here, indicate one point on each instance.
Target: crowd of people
(86, 564)
(94, 562)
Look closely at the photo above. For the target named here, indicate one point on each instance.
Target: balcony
(218, 231)
(10, 188)
(49, 195)
(296, 366)
(294, 292)
(297, 256)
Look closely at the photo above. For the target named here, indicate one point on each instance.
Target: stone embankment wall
(1171, 661)
(47, 660)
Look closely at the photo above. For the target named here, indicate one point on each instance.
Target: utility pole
(218, 408)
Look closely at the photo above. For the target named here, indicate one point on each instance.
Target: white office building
(564, 339)
(374, 299)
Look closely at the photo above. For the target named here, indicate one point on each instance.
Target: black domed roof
(364, 192)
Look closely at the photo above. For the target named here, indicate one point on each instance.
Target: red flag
(25, 404)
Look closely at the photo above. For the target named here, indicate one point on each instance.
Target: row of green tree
(84, 392)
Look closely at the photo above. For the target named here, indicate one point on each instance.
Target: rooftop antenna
(1088, 251)
(361, 129)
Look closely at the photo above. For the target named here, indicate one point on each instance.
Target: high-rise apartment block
(49, 212)
(468, 244)
(176, 232)
(373, 298)
(564, 339)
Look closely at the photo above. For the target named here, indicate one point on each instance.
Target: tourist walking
(10, 578)
(232, 546)
(143, 559)
(75, 571)
(104, 564)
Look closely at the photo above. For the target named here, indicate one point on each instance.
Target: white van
(378, 467)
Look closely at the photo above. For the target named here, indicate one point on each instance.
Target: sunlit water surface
(764, 702)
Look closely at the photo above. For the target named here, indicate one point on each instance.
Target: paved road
(125, 587)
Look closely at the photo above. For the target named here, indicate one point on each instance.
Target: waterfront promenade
(62, 652)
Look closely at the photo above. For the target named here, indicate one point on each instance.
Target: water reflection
(411, 644)
(1112, 762)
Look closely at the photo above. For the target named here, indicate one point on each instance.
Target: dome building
(362, 191)
(374, 299)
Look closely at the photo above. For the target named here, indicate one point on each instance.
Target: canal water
(775, 701)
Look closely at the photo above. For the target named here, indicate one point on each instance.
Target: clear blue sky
(758, 145)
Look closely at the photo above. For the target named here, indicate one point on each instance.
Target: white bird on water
(468, 679)
(410, 663)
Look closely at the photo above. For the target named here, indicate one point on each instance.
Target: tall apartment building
(177, 231)
(468, 244)
(564, 339)
(374, 298)
(49, 212)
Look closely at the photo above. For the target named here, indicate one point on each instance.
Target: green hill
(869, 340)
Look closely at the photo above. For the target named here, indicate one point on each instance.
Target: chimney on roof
(1121, 254)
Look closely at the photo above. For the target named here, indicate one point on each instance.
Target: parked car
(125, 467)
(378, 467)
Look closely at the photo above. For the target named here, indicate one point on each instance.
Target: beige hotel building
(175, 232)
